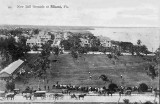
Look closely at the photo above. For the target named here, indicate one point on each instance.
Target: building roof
(84, 40)
(3, 36)
(33, 40)
(12, 67)
(103, 38)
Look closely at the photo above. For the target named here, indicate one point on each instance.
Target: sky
(148, 36)
(108, 13)
(144, 13)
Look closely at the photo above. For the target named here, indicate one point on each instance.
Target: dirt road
(67, 98)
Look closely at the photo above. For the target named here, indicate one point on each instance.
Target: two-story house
(84, 42)
(105, 41)
(39, 39)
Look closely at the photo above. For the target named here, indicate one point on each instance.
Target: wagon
(16, 91)
(41, 94)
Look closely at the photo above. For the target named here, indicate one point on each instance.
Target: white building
(105, 41)
(44, 36)
(16, 38)
(34, 41)
(3, 36)
(39, 39)
(84, 42)
(58, 37)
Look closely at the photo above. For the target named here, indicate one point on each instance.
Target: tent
(11, 69)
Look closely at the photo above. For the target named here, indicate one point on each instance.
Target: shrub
(112, 86)
(10, 86)
(148, 102)
(129, 88)
(126, 101)
(109, 56)
(143, 87)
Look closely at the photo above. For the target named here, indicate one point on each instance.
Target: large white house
(105, 41)
(84, 42)
(44, 36)
(34, 41)
(39, 39)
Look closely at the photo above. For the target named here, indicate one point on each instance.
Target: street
(133, 98)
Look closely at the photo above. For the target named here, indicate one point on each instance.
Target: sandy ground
(133, 98)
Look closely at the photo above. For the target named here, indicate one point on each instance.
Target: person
(89, 73)
(44, 87)
(48, 87)
(121, 76)
(90, 77)
(57, 82)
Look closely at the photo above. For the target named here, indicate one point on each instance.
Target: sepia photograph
(79, 51)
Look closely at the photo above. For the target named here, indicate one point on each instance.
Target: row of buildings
(56, 37)
(44, 36)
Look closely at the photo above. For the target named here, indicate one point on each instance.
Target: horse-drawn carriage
(125, 92)
(41, 94)
(16, 91)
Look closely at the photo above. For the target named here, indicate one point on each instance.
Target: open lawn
(67, 70)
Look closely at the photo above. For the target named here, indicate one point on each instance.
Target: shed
(11, 69)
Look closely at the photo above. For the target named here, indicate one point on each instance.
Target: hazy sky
(129, 13)
(82, 12)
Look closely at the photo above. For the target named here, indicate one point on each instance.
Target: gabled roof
(103, 38)
(12, 67)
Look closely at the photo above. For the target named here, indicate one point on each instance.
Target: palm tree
(139, 42)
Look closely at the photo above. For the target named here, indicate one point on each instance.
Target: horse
(73, 96)
(81, 96)
(10, 95)
(102, 91)
(121, 92)
(65, 91)
(28, 95)
(58, 96)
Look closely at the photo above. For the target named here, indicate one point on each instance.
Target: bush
(119, 53)
(129, 88)
(10, 86)
(148, 102)
(126, 101)
(143, 87)
(112, 87)
(109, 56)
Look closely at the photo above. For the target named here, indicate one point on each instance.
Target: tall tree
(139, 42)
(144, 49)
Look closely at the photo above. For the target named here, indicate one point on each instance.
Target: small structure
(10, 71)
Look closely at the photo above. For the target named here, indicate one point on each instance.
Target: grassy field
(76, 72)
